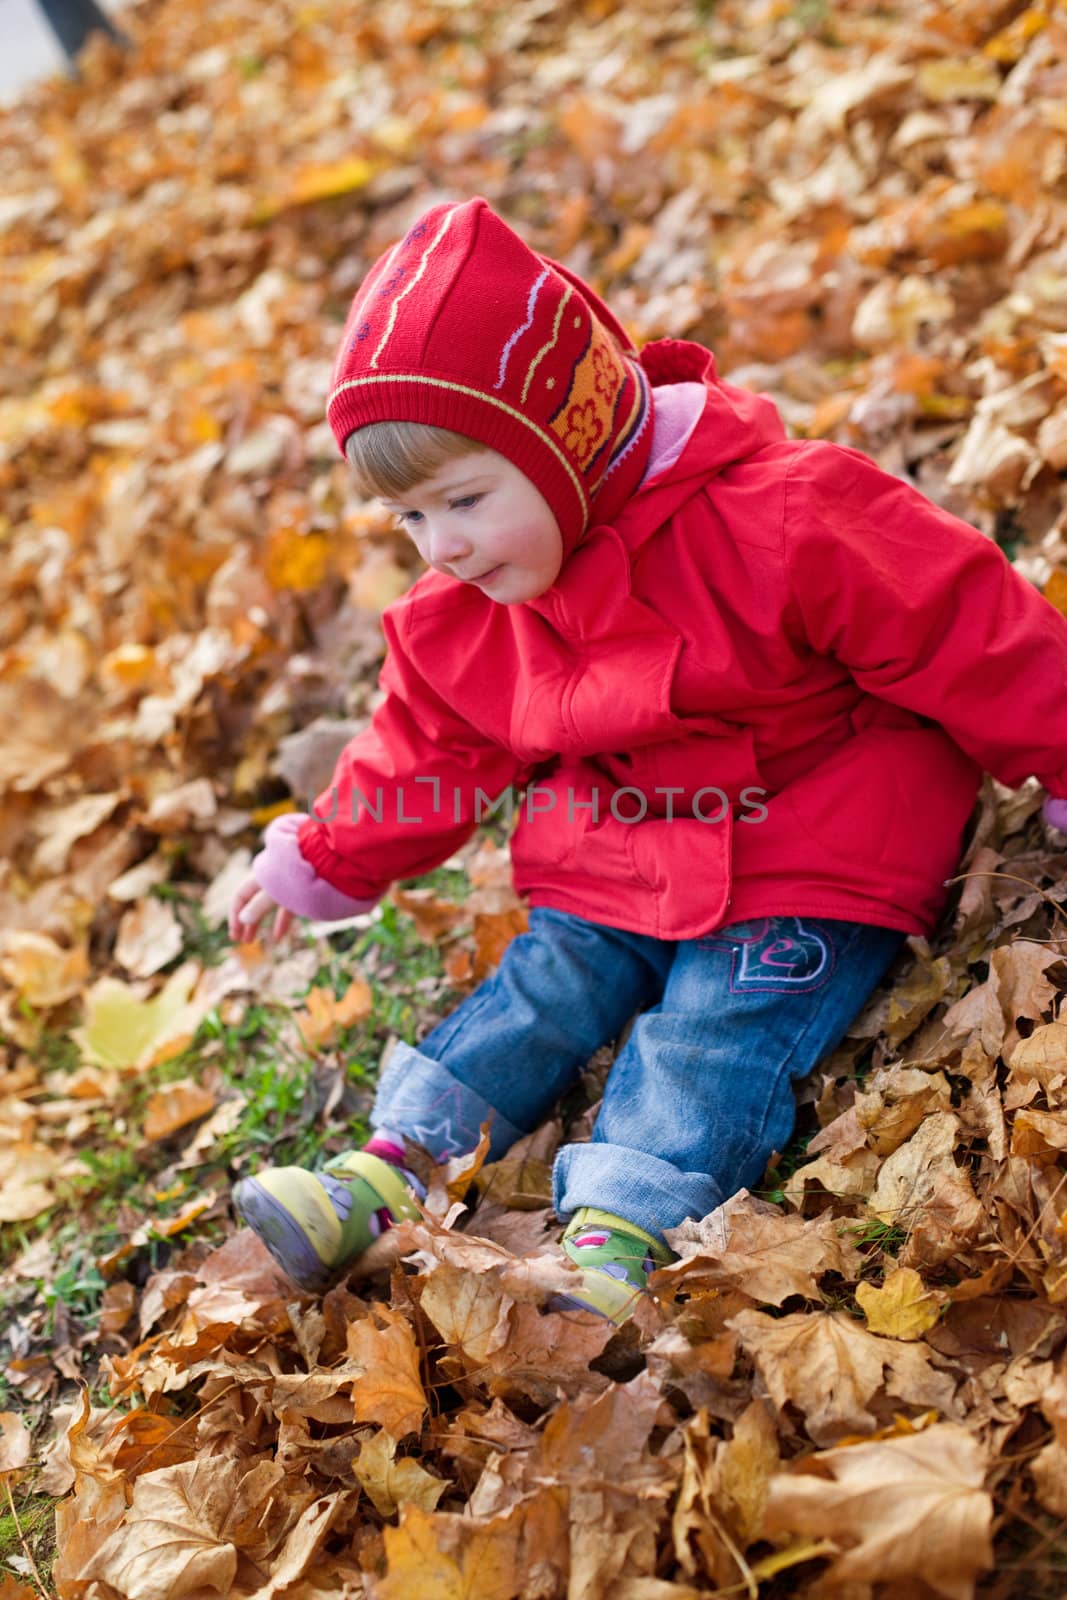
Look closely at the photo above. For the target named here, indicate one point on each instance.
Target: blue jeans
(700, 1094)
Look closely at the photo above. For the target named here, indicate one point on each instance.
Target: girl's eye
(467, 500)
(407, 518)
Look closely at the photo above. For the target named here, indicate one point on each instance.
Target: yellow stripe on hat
(478, 394)
(406, 291)
(545, 348)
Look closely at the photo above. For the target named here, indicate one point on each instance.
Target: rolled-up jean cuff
(642, 1188)
(419, 1097)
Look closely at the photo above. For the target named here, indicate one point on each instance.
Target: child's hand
(249, 906)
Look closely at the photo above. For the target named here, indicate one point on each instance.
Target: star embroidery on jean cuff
(445, 1130)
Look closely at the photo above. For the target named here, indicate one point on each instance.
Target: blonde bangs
(390, 458)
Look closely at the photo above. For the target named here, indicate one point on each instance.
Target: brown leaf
(14, 1443)
(173, 1538)
(1043, 1055)
(749, 1245)
(921, 1189)
(1016, 987)
(1049, 1466)
(150, 936)
(910, 1508)
(390, 1390)
(828, 1367)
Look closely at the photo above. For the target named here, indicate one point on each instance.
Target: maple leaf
(441, 1556)
(391, 1483)
(904, 1508)
(749, 1245)
(324, 1015)
(173, 1539)
(390, 1389)
(903, 1308)
(829, 1368)
(128, 1032)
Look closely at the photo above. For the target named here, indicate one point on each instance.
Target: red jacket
(777, 620)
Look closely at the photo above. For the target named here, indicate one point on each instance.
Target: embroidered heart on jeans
(801, 957)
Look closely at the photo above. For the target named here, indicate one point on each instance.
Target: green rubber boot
(616, 1258)
(316, 1223)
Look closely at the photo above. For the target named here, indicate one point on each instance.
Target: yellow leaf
(320, 181)
(959, 80)
(981, 216)
(124, 1031)
(438, 1555)
(1009, 44)
(903, 1308)
(392, 1483)
(296, 560)
(1055, 589)
(390, 1389)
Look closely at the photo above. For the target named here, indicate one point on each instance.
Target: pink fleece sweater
(279, 868)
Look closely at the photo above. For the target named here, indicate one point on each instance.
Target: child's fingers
(242, 895)
(247, 915)
(282, 923)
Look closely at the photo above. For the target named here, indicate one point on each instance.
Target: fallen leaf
(391, 1483)
(15, 1442)
(749, 1245)
(904, 1509)
(901, 1308)
(150, 936)
(390, 1391)
(829, 1368)
(438, 1555)
(324, 1015)
(174, 1106)
(41, 971)
(128, 1032)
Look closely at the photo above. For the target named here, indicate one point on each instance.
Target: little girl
(738, 691)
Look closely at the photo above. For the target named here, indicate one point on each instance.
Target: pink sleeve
(292, 882)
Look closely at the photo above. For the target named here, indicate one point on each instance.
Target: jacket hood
(736, 423)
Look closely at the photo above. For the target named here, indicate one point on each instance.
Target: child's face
(481, 520)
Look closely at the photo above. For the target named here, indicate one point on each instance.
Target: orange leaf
(390, 1391)
(174, 1106)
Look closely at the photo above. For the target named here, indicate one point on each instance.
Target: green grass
(258, 1057)
(35, 1517)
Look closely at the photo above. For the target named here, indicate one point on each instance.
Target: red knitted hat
(462, 325)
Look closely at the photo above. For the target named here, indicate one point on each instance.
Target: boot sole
(287, 1242)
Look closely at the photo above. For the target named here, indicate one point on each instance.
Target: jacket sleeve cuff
(1055, 813)
(292, 882)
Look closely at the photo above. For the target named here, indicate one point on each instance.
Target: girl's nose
(447, 546)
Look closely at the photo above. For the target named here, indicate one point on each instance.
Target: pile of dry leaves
(858, 1390)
